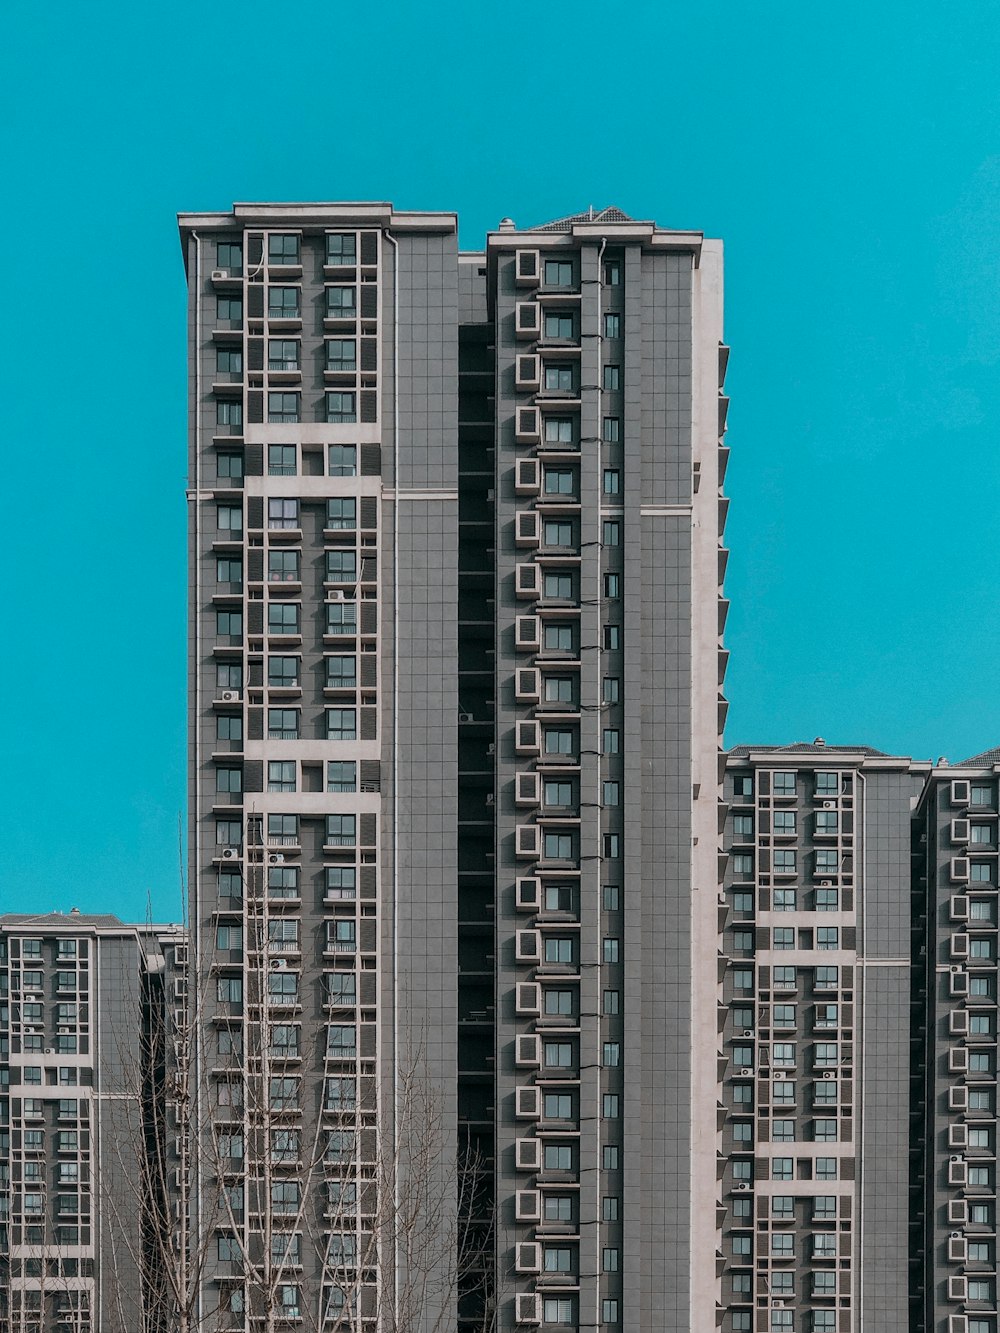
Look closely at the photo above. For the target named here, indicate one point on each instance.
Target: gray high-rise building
(455, 619)
(82, 1008)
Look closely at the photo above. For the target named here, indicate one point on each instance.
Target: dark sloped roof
(807, 747)
(102, 921)
(985, 760)
(591, 215)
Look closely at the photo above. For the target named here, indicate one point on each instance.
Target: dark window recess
(369, 247)
(369, 354)
(253, 775)
(369, 511)
(255, 617)
(255, 565)
(369, 405)
(371, 460)
(253, 454)
(255, 301)
(255, 249)
(255, 673)
(255, 511)
(369, 301)
(369, 671)
(369, 567)
(371, 776)
(367, 1029)
(255, 353)
(367, 827)
(255, 405)
(369, 727)
(367, 881)
(369, 618)
(255, 724)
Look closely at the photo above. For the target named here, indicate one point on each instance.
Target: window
(611, 430)
(611, 532)
(556, 792)
(341, 724)
(559, 325)
(611, 482)
(228, 1250)
(981, 795)
(559, 898)
(784, 860)
(282, 406)
(611, 949)
(827, 937)
(283, 672)
(612, 638)
(982, 872)
(827, 900)
(283, 618)
(784, 821)
(559, 481)
(610, 1157)
(229, 569)
(782, 937)
(558, 949)
(228, 413)
(229, 255)
(228, 937)
(783, 1015)
(612, 272)
(342, 460)
(611, 1106)
(229, 311)
(982, 909)
(612, 378)
(559, 378)
(341, 566)
(981, 1025)
(341, 830)
(558, 636)
(558, 1055)
(610, 740)
(341, 355)
(558, 846)
(981, 834)
(558, 532)
(783, 1053)
(341, 513)
(341, 882)
(783, 900)
(742, 863)
(229, 361)
(229, 623)
(559, 585)
(283, 353)
(611, 1003)
(341, 249)
(559, 689)
(229, 780)
(612, 326)
(826, 821)
(559, 273)
(283, 303)
(742, 1131)
(283, 514)
(229, 676)
(610, 897)
(611, 689)
(283, 724)
(229, 990)
(558, 1002)
(558, 1156)
(281, 775)
(611, 846)
(980, 1062)
(341, 671)
(342, 619)
(612, 585)
(342, 775)
(283, 987)
(282, 882)
(341, 407)
(982, 948)
(282, 249)
(982, 1289)
(341, 302)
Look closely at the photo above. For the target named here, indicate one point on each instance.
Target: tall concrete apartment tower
(814, 1030)
(80, 999)
(455, 563)
(953, 1106)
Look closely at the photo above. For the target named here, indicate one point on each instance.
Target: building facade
(80, 1000)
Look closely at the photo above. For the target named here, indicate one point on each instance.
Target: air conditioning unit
(527, 1051)
(958, 1060)
(958, 1172)
(527, 425)
(528, 582)
(230, 696)
(278, 964)
(959, 870)
(527, 946)
(528, 997)
(527, 740)
(527, 319)
(528, 1154)
(958, 1022)
(958, 1211)
(957, 1287)
(527, 1308)
(829, 1073)
(527, 842)
(528, 269)
(528, 1206)
(336, 595)
(527, 377)
(746, 1073)
(958, 1136)
(527, 634)
(748, 1032)
(958, 1097)
(826, 884)
(527, 684)
(219, 274)
(50, 1050)
(957, 1250)
(740, 1186)
(527, 528)
(230, 853)
(528, 786)
(527, 1103)
(527, 476)
(779, 1073)
(958, 1323)
(276, 859)
(960, 830)
(829, 805)
(961, 791)
(527, 895)
(528, 1257)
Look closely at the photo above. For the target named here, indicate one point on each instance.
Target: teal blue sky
(848, 155)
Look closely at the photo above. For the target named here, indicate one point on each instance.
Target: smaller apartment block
(81, 1080)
